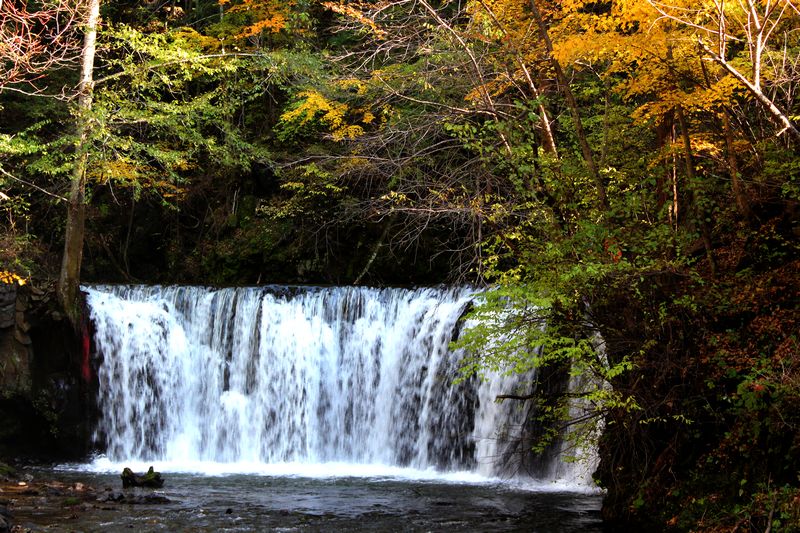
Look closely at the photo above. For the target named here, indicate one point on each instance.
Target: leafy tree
(69, 279)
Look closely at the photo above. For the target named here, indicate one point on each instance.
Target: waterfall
(270, 375)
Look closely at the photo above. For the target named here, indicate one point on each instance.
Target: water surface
(250, 502)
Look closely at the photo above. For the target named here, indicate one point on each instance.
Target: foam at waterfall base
(371, 473)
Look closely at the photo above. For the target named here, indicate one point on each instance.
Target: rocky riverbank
(74, 500)
(43, 505)
(30, 503)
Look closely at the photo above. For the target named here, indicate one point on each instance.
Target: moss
(7, 471)
(70, 501)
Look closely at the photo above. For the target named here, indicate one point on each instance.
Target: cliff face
(45, 407)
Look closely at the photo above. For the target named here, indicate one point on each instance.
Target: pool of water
(304, 502)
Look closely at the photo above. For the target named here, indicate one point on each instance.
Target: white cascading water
(292, 375)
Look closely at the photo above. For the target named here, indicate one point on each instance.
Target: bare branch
(755, 24)
(37, 41)
(7, 174)
(781, 117)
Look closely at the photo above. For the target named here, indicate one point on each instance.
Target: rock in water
(151, 479)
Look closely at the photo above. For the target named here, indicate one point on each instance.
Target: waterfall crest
(291, 375)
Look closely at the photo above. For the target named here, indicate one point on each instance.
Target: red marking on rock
(86, 370)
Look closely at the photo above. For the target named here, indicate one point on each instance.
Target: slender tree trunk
(69, 279)
(674, 209)
(700, 215)
(739, 193)
(777, 114)
(572, 104)
(548, 140)
(733, 166)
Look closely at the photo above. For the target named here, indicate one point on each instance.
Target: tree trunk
(572, 104)
(69, 279)
(697, 197)
(548, 140)
(777, 114)
(739, 191)
(733, 166)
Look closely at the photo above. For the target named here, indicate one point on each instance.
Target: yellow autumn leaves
(9, 278)
(268, 16)
(313, 106)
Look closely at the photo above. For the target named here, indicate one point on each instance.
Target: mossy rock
(151, 479)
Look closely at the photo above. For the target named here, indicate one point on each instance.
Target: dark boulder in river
(151, 479)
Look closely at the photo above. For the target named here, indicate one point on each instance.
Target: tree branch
(5, 173)
(759, 95)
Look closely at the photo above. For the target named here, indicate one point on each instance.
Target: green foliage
(180, 116)
(7, 471)
(519, 328)
(71, 501)
(32, 151)
(21, 143)
(782, 168)
(310, 189)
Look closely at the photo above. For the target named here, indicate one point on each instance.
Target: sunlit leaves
(10, 278)
(357, 13)
(312, 106)
(263, 16)
(514, 329)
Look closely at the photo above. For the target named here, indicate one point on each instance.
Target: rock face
(8, 300)
(151, 479)
(45, 405)
(15, 344)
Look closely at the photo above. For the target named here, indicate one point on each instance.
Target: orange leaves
(665, 98)
(625, 32)
(649, 55)
(273, 24)
(742, 40)
(493, 88)
(267, 16)
(502, 19)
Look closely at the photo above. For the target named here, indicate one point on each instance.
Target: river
(312, 501)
